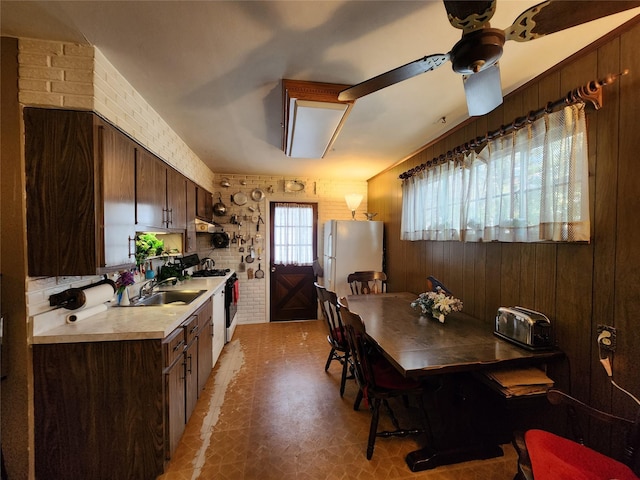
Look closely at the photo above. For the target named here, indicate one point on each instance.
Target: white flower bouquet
(437, 304)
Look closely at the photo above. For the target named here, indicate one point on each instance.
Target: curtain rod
(591, 92)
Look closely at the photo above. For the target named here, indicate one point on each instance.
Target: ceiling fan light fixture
(483, 91)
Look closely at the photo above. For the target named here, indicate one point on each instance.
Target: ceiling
(213, 69)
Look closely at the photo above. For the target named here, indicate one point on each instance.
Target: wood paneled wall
(577, 285)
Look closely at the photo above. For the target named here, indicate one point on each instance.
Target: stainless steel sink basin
(168, 297)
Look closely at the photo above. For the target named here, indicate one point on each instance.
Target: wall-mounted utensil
(219, 209)
(225, 182)
(250, 273)
(241, 266)
(240, 198)
(259, 273)
(257, 195)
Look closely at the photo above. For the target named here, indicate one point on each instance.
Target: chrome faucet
(149, 286)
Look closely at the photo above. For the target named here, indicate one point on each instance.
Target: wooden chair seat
(379, 381)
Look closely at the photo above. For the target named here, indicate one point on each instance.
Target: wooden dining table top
(419, 346)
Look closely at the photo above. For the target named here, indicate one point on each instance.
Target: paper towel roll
(85, 313)
(96, 295)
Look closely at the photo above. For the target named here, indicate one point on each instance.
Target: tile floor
(269, 411)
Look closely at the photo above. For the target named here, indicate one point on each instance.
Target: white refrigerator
(350, 246)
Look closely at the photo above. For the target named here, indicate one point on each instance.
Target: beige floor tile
(270, 411)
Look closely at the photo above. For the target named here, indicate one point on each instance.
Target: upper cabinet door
(151, 191)
(190, 243)
(176, 200)
(118, 189)
(204, 204)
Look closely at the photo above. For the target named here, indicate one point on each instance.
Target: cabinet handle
(170, 216)
(189, 368)
(178, 346)
(129, 240)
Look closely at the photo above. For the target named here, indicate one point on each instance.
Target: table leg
(428, 458)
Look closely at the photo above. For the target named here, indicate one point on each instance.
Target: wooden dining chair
(336, 336)
(379, 381)
(543, 455)
(367, 282)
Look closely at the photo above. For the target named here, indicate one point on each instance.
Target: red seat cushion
(387, 376)
(556, 458)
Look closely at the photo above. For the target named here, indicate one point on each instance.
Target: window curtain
(528, 186)
(293, 234)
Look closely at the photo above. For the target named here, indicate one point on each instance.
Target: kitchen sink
(168, 297)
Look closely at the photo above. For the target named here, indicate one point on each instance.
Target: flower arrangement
(125, 278)
(437, 304)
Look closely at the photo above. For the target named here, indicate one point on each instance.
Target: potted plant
(147, 245)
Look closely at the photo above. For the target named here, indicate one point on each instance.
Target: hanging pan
(219, 209)
(259, 273)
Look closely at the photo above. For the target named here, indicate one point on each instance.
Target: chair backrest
(367, 282)
(631, 428)
(357, 340)
(433, 283)
(330, 311)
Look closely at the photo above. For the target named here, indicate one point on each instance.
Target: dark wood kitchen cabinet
(117, 409)
(80, 193)
(190, 243)
(98, 410)
(204, 204)
(161, 194)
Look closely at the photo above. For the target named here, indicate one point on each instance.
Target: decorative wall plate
(239, 198)
(293, 186)
(257, 195)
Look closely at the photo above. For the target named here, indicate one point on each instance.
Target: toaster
(524, 327)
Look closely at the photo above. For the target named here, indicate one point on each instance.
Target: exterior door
(294, 247)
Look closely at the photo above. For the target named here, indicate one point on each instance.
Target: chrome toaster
(524, 327)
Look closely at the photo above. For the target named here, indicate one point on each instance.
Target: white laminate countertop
(133, 323)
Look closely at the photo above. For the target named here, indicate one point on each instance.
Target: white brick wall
(327, 193)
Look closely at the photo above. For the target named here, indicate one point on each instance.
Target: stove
(213, 272)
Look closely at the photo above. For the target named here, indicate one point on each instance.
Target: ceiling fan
(476, 54)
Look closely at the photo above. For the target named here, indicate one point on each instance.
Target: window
(528, 186)
(293, 234)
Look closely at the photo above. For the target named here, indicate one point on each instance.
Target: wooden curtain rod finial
(591, 92)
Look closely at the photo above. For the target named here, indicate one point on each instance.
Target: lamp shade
(353, 200)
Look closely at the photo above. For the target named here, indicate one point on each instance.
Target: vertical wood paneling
(577, 285)
(627, 273)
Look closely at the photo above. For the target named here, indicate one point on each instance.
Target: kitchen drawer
(173, 345)
(190, 326)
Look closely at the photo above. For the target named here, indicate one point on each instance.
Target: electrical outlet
(609, 343)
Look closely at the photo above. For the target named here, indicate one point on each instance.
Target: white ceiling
(212, 69)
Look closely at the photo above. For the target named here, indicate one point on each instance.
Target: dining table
(422, 347)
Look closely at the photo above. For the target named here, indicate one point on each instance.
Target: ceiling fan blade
(422, 65)
(469, 15)
(483, 90)
(554, 16)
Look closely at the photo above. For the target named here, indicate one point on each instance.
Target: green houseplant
(147, 245)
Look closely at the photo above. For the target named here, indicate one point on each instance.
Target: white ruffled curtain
(293, 234)
(528, 186)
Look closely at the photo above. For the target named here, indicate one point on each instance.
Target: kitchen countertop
(133, 323)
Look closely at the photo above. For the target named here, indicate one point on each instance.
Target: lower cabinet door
(191, 363)
(176, 401)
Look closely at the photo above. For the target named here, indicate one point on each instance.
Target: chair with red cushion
(379, 381)
(336, 338)
(543, 455)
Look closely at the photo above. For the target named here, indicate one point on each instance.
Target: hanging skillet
(219, 209)
(476, 55)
